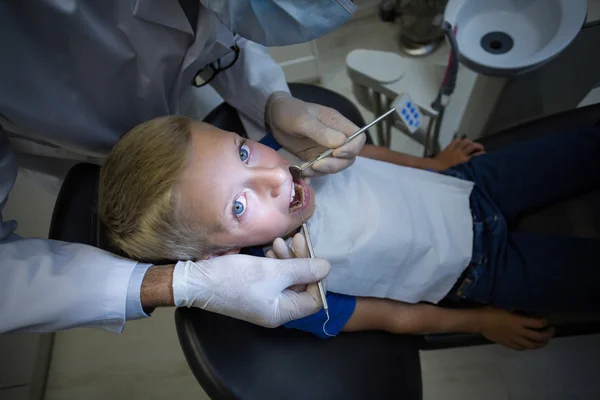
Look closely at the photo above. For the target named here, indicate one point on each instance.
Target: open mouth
(297, 197)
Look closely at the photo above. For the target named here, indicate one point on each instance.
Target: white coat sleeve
(249, 82)
(48, 285)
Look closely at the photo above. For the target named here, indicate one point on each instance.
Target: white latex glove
(299, 249)
(252, 289)
(308, 129)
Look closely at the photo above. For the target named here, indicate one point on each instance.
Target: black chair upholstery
(228, 357)
(234, 359)
(74, 216)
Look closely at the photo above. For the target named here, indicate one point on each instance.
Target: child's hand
(458, 152)
(282, 251)
(513, 330)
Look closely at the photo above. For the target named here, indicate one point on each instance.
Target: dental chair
(232, 359)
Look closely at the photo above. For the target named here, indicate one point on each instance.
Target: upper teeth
(293, 193)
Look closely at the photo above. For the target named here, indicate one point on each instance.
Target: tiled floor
(565, 370)
(146, 362)
(333, 49)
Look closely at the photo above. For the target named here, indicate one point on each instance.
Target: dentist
(77, 74)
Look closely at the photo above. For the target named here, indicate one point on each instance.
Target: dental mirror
(297, 171)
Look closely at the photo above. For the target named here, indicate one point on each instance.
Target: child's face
(241, 190)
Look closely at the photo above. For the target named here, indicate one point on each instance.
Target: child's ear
(223, 253)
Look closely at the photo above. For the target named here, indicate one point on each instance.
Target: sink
(508, 37)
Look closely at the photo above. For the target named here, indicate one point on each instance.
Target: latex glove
(252, 289)
(458, 152)
(308, 129)
(515, 331)
(299, 249)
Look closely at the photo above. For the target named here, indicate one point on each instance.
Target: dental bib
(392, 232)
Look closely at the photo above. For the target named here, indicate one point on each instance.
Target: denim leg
(545, 273)
(528, 175)
(523, 271)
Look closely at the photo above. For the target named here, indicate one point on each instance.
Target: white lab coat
(78, 74)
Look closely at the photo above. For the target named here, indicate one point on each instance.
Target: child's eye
(239, 206)
(244, 152)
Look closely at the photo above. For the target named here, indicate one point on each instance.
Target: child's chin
(310, 210)
(295, 228)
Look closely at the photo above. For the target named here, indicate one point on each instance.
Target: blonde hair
(138, 197)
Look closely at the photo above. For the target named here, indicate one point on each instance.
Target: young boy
(174, 189)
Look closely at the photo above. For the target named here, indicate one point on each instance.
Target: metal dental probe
(296, 170)
(311, 253)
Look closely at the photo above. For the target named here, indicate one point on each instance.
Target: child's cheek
(269, 224)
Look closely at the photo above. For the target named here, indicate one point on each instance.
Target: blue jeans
(521, 271)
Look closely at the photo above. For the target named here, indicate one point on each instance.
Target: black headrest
(75, 218)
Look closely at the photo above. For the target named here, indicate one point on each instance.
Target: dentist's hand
(299, 249)
(249, 288)
(308, 129)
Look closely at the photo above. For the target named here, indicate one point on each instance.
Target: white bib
(392, 232)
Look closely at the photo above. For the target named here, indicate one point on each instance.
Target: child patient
(176, 189)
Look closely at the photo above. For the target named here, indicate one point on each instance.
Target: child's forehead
(208, 177)
(210, 140)
(199, 127)
(212, 154)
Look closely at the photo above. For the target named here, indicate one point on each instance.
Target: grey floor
(145, 362)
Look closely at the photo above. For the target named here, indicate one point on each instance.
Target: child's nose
(270, 180)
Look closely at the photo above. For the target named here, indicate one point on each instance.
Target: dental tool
(297, 171)
(311, 253)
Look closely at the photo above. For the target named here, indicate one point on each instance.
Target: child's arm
(458, 152)
(511, 330)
